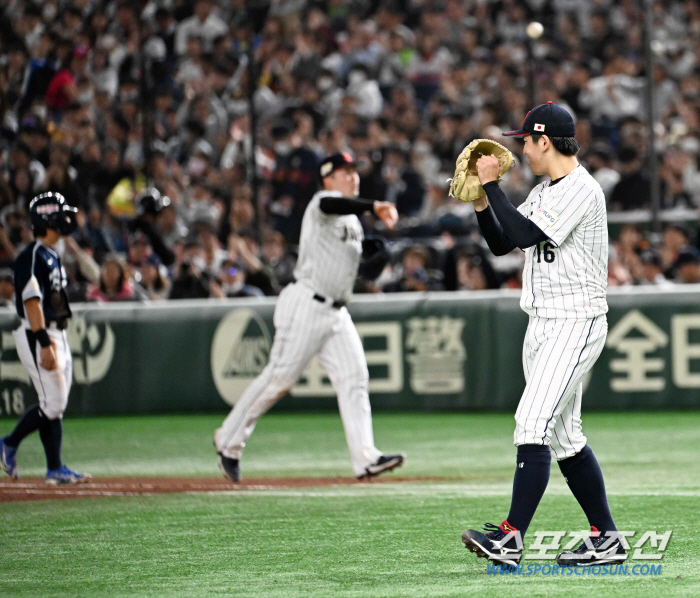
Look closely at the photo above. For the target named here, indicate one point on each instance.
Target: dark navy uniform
(39, 274)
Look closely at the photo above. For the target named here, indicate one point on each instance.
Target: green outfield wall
(434, 351)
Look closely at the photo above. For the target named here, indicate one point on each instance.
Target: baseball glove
(465, 184)
(375, 256)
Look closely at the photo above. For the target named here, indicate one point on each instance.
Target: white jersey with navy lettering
(567, 276)
(330, 249)
(311, 320)
(564, 293)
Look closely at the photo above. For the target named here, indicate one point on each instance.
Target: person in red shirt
(63, 88)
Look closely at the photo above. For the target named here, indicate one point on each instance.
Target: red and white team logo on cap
(539, 127)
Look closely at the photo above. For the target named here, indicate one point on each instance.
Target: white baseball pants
(557, 353)
(52, 386)
(305, 327)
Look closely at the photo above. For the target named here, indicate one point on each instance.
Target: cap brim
(517, 133)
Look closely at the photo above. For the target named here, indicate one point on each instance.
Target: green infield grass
(359, 540)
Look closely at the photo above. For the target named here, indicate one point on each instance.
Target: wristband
(43, 337)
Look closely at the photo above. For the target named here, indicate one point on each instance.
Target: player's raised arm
(340, 206)
(498, 241)
(520, 230)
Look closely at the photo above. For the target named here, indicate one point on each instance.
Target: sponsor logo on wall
(239, 352)
(436, 356)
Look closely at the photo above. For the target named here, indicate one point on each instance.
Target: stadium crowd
(401, 84)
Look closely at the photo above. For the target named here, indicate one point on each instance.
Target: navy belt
(335, 305)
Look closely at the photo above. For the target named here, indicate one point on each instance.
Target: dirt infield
(31, 489)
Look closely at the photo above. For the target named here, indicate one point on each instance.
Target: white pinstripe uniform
(329, 254)
(564, 293)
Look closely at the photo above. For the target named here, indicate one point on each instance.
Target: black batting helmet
(50, 211)
(150, 201)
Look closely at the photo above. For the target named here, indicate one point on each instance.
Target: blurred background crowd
(101, 99)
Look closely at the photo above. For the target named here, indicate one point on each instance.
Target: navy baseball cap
(334, 162)
(546, 119)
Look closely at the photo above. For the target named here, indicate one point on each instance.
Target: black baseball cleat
(597, 549)
(383, 464)
(501, 544)
(229, 467)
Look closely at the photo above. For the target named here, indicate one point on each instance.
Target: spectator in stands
(81, 267)
(652, 273)
(22, 186)
(402, 185)
(675, 237)
(415, 275)
(599, 163)
(152, 277)
(192, 279)
(295, 179)
(22, 157)
(687, 266)
(114, 283)
(403, 88)
(618, 273)
(632, 191)
(7, 288)
(171, 227)
(630, 242)
(63, 88)
(233, 281)
(474, 273)
(204, 23)
(276, 257)
(58, 179)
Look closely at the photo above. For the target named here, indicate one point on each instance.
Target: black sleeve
(345, 205)
(497, 240)
(520, 230)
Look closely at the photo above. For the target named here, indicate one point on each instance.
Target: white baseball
(535, 30)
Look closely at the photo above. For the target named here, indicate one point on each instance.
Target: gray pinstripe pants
(305, 327)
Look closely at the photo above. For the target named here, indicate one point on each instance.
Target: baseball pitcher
(562, 228)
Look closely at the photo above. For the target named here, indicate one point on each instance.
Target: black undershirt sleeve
(496, 238)
(522, 231)
(345, 205)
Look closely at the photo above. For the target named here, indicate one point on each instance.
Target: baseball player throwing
(311, 319)
(562, 228)
(42, 347)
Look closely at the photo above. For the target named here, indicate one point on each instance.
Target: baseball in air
(535, 30)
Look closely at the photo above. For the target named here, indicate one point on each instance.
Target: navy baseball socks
(51, 434)
(585, 479)
(503, 544)
(29, 422)
(50, 431)
(529, 483)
